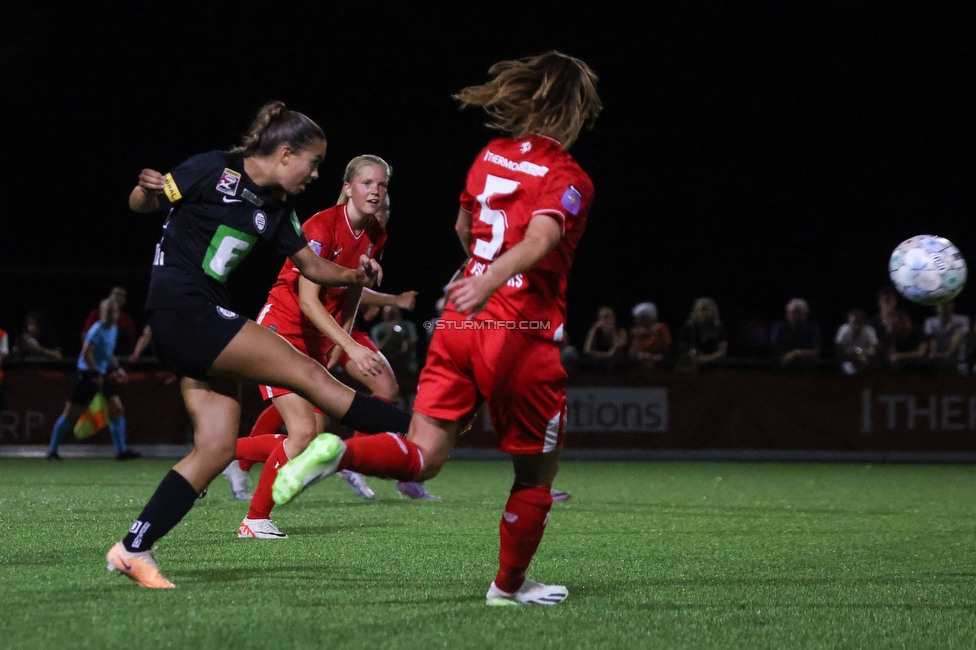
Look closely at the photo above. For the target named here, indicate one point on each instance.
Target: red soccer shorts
(521, 378)
(310, 343)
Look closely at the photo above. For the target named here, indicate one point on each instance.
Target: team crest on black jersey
(260, 220)
(228, 182)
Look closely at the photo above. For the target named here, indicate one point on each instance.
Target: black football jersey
(217, 216)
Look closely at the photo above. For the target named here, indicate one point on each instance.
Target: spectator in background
(752, 337)
(703, 339)
(396, 338)
(946, 333)
(650, 340)
(36, 342)
(605, 343)
(856, 343)
(907, 347)
(4, 353)
(883, 320)
(126, 342)
(796, 341)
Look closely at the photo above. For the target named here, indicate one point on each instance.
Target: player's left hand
(406, 300)
(470, 294)
(371, 270)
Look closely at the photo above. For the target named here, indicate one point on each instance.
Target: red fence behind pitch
(717, 410)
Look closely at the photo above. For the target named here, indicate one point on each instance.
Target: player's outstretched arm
(366, 360)
(406, 300)
(145, 195)
(471, 294)
(329, 274)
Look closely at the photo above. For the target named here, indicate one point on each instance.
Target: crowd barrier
(736, 410)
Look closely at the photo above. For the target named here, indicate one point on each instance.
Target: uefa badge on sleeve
(572, 200)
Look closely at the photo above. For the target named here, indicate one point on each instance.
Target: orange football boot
(140, 567)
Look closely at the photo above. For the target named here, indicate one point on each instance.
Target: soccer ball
(927, 269)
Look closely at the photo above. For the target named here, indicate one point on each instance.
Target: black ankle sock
(169, 504)
(373, 415)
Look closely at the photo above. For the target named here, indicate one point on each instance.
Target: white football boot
(259, 529)
(530, 593)
(239, 480)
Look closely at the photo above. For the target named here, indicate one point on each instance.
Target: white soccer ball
(927, 269)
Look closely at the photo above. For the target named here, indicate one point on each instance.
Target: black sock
(373, 415)
(169, 504)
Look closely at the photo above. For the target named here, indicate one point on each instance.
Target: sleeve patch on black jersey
(294, 222)
(170, 189)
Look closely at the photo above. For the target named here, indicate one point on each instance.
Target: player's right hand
(151, 181)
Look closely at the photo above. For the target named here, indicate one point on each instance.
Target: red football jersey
(511, 181)
(331, 236)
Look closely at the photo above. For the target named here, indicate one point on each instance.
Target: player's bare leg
(521, 530)
(436, 439)
(303, 424)
(384, 385)
(215, 413)
(263, 357)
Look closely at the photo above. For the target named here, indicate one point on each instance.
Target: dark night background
(751, 153)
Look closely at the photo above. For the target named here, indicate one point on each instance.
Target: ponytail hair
(274, 126)
(357, 163)
(551, 94)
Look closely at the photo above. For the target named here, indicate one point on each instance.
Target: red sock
(256, 449)
(261, 502)
(521, 529)
(268, 423)
(383, 455)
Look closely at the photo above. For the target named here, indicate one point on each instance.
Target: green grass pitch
(669, 555)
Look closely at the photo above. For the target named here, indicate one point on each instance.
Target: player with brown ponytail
(220, 204)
